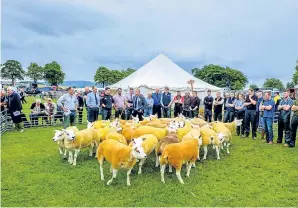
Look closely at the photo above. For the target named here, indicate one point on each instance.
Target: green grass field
(255, 174)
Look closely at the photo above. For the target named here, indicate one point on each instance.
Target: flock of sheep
(122, 143)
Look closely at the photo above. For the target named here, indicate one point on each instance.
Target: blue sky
(257, 37)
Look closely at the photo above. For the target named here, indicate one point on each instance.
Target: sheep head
(138, 151)
(70, 134)
(59, 135)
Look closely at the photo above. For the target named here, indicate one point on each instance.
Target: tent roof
(161, 72)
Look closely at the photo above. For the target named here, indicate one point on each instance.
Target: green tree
(115, 76)
(253, 86)
(295, 75)
(53, 73)
(102, 76)
(290, 85)
(13, 70)
(35, 72)
(221, 76)
(128, 72)
(273, 83)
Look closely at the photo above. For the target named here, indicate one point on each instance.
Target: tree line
(216, 75)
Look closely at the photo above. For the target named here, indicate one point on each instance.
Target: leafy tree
(102, 76)
(128, 72)
(295, 75)
(253, 86)
(13, 70)
(273, 83)
(53, 73)
(35, 72)
(116, 76)
(221, 76)
(290, 85)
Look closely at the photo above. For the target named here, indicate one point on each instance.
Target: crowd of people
(256, 109)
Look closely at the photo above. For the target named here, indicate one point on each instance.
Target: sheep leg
(205, 152)
(162, 172)
(217, 152)
(113, 176)
(157, 161)
(140, 165)
(188, 167)
(60, 150)
(170, 169)
(65, 153)
(128, 177)
(100, 160)
(70, 156)
(90, 150)
(75, 156)
(228, 151)
(221, 146)
(111, 169)
(178, 174)
(199, 154)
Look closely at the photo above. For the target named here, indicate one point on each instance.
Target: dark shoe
(278, 141)
(237, 134)
(246, 135)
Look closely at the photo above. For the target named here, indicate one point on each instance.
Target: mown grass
(255, 174)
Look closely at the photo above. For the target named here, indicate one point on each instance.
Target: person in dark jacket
(139, 104)
(156, 103)
(37, 111)
(178, 102)
(250, 114)
(186, 104)
(85, 93)
(165, 102)
(230, 106)
(15, 108)
(80, 107)
(218, 103)
(106, 103)
(194, 105)
(22, 94)
(208, 101)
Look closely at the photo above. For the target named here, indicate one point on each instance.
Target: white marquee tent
(161, 72)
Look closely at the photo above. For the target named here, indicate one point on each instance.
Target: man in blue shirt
(284, 118)
(156, 103)
(268, 108)
(93, 103)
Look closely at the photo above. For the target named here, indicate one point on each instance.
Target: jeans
(217, 116)
(93, 114)
(69, 120)
(166, 112)
(106, 114)
(261, 122)
(268, 123)
(257, 118)
(128, 113)
(194, 113)
(208, 115)
(294, 124)
(229, 116)
(284, 125)
(120, 113)
(250, 118)
(148, 111)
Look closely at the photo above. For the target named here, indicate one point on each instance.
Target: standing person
(50, 110)
(149, 107)
(294, 123)
(80, 107)
(107, 104)
(129, 104)
(268, 106)
(259, 123)
(178, 102)
(119, 104)
(85, 93)
(208, 101)
(3, 100)
(218, 103)
(165, 102)
(93, 102)
(230, 109)
(69, 104)
(156, 105)
(139, 104)
(239, 113)
(227, 96)
(15, 108)
(22, 94)
(250, 113)
(194, 105)
(284, 119)
(186, 104)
